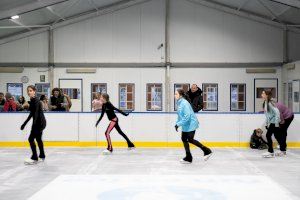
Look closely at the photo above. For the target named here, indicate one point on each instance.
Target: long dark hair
(269, 99)
(105, 96)
(182, 93)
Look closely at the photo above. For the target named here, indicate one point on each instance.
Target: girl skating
(38, 125)
(188, 121)
(272, 123)
(109, 109)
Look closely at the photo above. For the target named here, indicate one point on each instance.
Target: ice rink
(83, 173)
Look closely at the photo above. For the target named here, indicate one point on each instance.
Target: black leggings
(276, 131)
(188, 137)
(283, 132)
(36, 134)
(114, 124)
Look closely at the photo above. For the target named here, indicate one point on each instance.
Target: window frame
(133, 96)
(245, 96)
(161, 96)
(203, 91)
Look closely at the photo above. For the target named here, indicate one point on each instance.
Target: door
(261, 84)
(73, 88)
(296, 92)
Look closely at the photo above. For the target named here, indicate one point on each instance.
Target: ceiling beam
(81, 17)
(240, 13)
(54, 13)
(269, 10)
(291, 3)
(20, 24)
(243, 4)
(28, 8)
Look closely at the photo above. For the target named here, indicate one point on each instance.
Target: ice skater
(272, 123)
(188, 121)
(109, 109)
(38, 125)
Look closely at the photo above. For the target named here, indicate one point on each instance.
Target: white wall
(139, 76)
(294, 46)
(151, 127)
(33, 49)
(201, 34)
(289, 75)
(126, 36)
(32, 73)
(197, 34)
(223, 77)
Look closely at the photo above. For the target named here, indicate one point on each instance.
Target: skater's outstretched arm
(120, 111)
(101, 116)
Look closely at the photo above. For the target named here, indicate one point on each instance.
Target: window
(126, 96)
(97, 88)
(15, 89)
(42, 89)
(210, 96)
(154, 97)
(184, 86)
(290, 95)
(237, 97)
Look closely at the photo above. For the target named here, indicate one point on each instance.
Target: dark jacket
(196, 99)
(37, 114)
(257, 142)
(57, 101)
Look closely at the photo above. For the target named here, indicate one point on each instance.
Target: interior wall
(294, 46)
(201, 34)
(33, 49)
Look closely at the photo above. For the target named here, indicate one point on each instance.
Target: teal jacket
(273, 115)
(186, 116)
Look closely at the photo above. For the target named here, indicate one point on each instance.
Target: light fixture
(15, 17)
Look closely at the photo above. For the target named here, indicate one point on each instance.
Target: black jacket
(37, 114)
(196, 99)
(57, 101)
(109, 109)
(257, 142)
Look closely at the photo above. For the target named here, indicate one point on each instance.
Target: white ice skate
(268, 155)
(280, 153)
(182, 161)
(29, 161)
(206, 157)
(106, 152)
(41, 160)
(130, 148)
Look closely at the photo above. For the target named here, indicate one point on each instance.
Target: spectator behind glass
(2, 101)
(196, 98)
(45, 103)
(97, 103)
(10, 105)
(57, 100)
(22, 104)
(67, 101)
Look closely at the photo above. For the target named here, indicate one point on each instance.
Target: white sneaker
(41, 160)
(130, 148)
(280, 153)
(106, 152)
(29, 161)
(206, 157)
(268, 155)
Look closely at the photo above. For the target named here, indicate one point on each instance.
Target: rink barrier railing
(139, 143)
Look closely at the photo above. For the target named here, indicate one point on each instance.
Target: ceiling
(36, 14)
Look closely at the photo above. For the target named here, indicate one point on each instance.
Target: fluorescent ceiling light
(15, 17)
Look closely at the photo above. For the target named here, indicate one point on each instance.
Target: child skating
(38, 125)
(109, 109)
(188, 121)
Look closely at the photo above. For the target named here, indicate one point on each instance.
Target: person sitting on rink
(257, 141)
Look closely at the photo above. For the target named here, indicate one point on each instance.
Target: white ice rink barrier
(153, 129)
